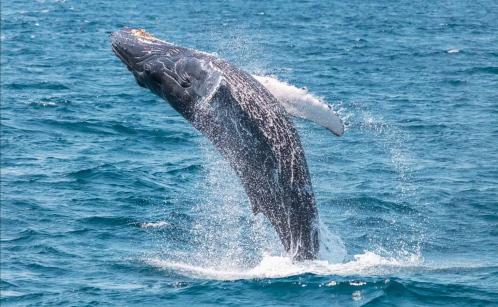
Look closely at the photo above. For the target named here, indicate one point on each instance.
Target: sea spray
(229, 242)
(225, 235)
(405, 219)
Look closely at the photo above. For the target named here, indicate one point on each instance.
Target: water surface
(109, 197)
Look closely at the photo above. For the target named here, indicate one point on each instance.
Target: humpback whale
(248, 125)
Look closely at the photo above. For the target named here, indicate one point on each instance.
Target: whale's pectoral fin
(298, 103)
(321, 114)
(203, 77)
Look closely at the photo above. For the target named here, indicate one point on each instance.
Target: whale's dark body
(245, 123)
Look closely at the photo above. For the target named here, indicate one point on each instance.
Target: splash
(226, 239)
(367, 264)
(406, 221)
(332, 248)
(229, 242)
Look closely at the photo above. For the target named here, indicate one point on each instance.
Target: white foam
(154, 224)
(367, 264)
(299, 103)
(453, 51)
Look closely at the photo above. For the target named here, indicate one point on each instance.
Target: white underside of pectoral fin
(299, 103)
(319, 113)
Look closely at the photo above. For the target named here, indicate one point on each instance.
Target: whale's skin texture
(243, 120)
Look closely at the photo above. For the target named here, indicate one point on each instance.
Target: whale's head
(169, 71)
(139, 51)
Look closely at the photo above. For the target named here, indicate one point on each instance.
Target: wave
(483, 70)
(37, 85)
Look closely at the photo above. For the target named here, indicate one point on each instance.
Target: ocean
(110, 198)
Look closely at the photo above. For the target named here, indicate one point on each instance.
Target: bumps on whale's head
(141, 32)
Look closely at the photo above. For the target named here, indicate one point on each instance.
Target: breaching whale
(251, 128)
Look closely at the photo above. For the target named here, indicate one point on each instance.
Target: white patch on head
(149, 38)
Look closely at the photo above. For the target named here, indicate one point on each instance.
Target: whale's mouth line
(120, 56)
(127, 62)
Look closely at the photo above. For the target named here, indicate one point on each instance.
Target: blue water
(109, 197)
